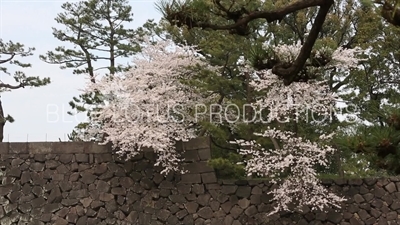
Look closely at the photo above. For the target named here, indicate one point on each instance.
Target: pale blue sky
(41, 113)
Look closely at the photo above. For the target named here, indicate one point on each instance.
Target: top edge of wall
(84, 147)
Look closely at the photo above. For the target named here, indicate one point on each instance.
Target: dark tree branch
(289, 72)
(177, 18)
(390, 82)
(7, 60)
(66, 61)
(390, 12)
(9, 86)
(2, 122)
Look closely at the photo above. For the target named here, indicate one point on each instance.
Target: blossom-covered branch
(292, 161)
(294, 166)
(283, 100)
(147, 107)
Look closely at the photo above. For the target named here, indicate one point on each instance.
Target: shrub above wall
(84, 183)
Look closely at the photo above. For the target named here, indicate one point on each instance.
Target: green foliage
(370, 150)
(358, 165)
(227, 168)
(96, 29)
(379, 145)
(8, 53)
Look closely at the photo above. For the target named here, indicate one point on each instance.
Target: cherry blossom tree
(292, 161)
(149, 106)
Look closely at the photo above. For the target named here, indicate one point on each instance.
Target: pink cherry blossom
(147, 107)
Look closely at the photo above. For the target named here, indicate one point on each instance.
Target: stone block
(229, 189)
(369, 181)
(197, 143)
(208, 178)
(213, 186)
(82, 158)
(198, 167)
(4, 147)
(191, 178)
(205, 212)
(236, 211)
(97, 148)
(243, 192)
(190, 156)
(56, 147)
(20, 147)
(204, 154)
(334, 217)
(391, 187)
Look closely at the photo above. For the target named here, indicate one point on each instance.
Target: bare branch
(7, 60)
(276, 145)
(9, 86)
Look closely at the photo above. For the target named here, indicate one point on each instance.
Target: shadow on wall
(84, 183)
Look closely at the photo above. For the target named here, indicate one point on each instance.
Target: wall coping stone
(84, 147)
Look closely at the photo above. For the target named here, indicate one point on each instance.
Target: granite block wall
(84, 183)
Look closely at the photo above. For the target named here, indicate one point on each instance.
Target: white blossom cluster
(283, 101)
(293, 159)
(343, 58)
(294, 165)
(146, 107)
(287, 53)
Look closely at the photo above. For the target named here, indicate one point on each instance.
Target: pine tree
(100, 40)
(10, 50)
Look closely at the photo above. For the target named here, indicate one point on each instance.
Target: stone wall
(84, 183)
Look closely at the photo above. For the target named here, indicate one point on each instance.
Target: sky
(41, 113)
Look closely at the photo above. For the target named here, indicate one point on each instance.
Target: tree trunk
(2, 122)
